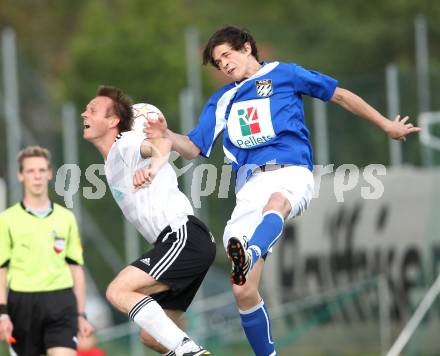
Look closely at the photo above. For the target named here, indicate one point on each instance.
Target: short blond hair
(32, 151)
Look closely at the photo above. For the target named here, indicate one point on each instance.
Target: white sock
(150, 316)
(169, 353)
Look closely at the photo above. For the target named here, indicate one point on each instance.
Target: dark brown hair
(232, 35)
(121, 106)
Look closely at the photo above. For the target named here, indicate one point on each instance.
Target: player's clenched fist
(142, 178)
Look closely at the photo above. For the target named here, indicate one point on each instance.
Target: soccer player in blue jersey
(261, 113)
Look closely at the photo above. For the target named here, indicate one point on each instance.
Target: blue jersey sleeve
(211, 124)
(313, 83)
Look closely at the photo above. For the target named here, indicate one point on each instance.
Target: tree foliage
(132, 45)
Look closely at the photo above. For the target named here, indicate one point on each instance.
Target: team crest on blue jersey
(264, 87)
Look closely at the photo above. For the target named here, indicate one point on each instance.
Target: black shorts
(43, 320)
(179, 259)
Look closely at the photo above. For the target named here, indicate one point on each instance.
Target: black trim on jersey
(10, 237)
(29, 211)
(6, 264)
(118, 136)
(71, 262)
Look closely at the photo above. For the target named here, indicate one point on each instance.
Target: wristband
(3, 309)
(4, 317)
(84, 315)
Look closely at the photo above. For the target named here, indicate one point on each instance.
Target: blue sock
(266, 234)
(256, 325)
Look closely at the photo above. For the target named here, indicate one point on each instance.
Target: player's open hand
(156, 128)
(399, 128)
(142, 178)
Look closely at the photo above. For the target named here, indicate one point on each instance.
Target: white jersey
(149, 209)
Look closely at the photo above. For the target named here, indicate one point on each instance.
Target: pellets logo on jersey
(249, 121)
(264, 87)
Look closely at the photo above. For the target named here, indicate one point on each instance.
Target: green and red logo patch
(249, 121)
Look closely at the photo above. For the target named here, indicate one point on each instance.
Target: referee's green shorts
(43, 320)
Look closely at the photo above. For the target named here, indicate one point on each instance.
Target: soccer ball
(143, 112)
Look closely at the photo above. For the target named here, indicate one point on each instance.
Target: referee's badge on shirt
(264, 87)
(59, 243)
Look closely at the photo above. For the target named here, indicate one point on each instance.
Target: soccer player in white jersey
(159, 286)
(261, 113)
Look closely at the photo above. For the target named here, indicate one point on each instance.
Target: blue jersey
(263, 117)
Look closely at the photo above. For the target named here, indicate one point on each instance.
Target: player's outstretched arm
(397, 129)
(180, 143)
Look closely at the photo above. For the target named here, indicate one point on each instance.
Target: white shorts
(294, 182)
